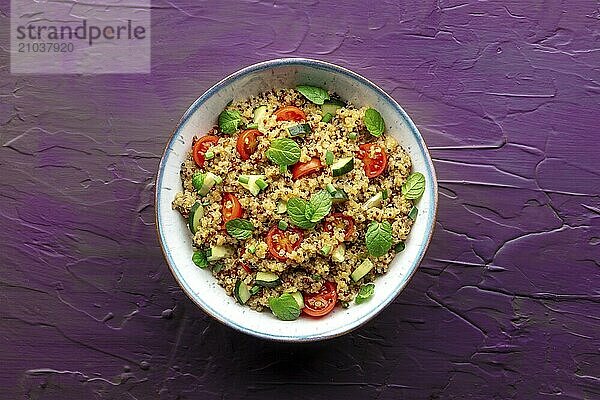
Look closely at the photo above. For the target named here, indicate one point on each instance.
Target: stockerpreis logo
(90, 37)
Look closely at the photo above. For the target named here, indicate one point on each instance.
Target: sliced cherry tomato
(322, 302)
(201, 146)
(300, 170)
(231, 208)
(280, 242)
(247, 143)
(374, 159)
(337, 219)
(290, 113)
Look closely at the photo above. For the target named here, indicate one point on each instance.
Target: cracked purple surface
(505, 305)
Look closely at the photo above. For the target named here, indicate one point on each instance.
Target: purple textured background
(506, 304)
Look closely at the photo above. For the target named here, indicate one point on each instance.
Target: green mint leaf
(414, 186)
(239, 228)
(198, 180)
(284, 152)
(374, 122)
(199, 258)
(318, 206)
(314, 94)
(285, 307)
(229, 121)
(365, 293)
(379, 238)
(296, 210)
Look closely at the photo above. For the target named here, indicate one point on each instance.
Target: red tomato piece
(322, 302)
(201, 147)
(290, 113)
(281, 242)
(300, 170)
(374, 159)
(247, 143)
(337, 219)
(231, 208)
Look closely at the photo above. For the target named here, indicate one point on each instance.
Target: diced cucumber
(339, 253)
(374, 201)
(331, 106)
(342, 166)
(219, 252)
(299, 130)
(254, 183)
(252, 126)
(413, 213)
(260, 114)
(299, 298)
(242, 292)
(326, 118)
(281, 207)
(196, 214)
(385, 194)
(267, 279)
(339, 196)
(364, 268)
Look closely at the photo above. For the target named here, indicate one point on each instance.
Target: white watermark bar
(71, 37)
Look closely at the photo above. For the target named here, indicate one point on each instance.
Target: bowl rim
(324, 65)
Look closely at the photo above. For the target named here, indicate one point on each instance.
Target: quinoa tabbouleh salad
(297, 201)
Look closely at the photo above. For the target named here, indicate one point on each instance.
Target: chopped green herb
(229, 121)
(198, 180)
(316, 277)
(254, 289)
(199, 258)
(326, 250)
(326, 118)
(261, 183)
(344, 304)
(399, 247)
(384, 194)
(283, 169)
(330, 188)
(243, 179)
(413, 213)
(252, 126)
(352, 135)
(414, 186)
(379, 238)
(282, 225)
(329, 158)
(239, 228)
(365, 293)
(314, 94)
(251, 249)
(284, 152)
(374, 122)
(285, 307)
(209, 155)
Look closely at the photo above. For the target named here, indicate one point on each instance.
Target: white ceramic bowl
(175, 237)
